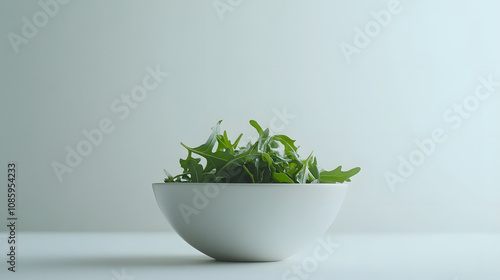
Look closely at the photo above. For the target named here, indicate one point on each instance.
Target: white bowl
(249, 222)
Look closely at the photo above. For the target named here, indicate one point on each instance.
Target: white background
(250, 62)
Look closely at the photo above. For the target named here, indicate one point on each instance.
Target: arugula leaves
(271, 159)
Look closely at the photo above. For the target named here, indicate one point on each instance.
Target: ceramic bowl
(249, 222)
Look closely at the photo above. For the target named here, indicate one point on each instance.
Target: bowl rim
(255, 184)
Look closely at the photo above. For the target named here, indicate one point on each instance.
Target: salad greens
(271, 159)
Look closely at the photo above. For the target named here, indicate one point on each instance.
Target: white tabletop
(149, 256)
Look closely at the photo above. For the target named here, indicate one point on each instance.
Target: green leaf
(271, 159)
(303, 173)
(223, 142)
(263, 141)
(212, 139)
(257, 127)
(251, 152)
(235, 144)
(337, 175)
(287, 142)
(195, 170)
(273, 165)
(282, 178)
(183, 162)
(313, 168)
(249, 173)
(214, 160)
